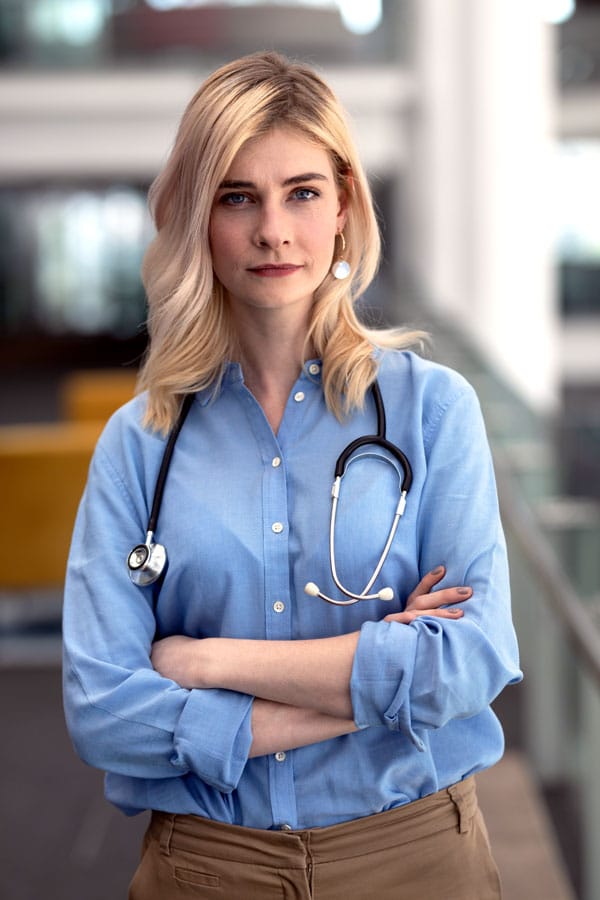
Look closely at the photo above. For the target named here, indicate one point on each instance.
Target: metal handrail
(520, 520)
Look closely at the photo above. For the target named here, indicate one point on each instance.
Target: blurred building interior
(479, 124)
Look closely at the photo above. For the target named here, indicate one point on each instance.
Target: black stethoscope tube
(166, 462)
(147, 562)
(379, 440)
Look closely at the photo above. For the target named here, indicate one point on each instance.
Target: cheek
(323, 243)
(223, 245)
(321, 230)
(319, 233)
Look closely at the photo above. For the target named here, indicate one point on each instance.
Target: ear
(342, 213)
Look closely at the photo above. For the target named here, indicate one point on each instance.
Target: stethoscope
(147, 562)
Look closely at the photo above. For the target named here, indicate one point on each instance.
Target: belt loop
(166, 834)
(463, 803)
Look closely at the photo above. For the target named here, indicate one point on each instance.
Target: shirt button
(314, 368)
(299, 396)
(280, 756)
(285, 827)
(277, 527)
(278, 606)
(276, 462)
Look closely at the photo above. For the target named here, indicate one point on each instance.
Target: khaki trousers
(433, 848)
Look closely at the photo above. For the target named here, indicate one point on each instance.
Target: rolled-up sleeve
(420, 676)
(122, 715)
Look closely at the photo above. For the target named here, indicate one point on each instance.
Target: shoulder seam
(441, 408)
(105, 460)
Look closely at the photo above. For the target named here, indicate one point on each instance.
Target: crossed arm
(301, 688)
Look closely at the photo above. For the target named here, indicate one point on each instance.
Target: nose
(273, 229)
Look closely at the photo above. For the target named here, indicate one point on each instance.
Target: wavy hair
(192, 335)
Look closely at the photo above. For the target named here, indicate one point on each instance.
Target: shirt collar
(232, 375)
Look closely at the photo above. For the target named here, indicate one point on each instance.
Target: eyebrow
(295, 179)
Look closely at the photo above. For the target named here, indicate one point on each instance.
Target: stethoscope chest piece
(146, 562)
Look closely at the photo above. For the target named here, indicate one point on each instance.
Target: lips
(274, 271)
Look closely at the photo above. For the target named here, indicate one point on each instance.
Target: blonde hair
(191, 333)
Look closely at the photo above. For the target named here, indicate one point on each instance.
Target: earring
(341, 267)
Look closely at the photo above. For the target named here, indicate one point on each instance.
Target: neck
(272, 350)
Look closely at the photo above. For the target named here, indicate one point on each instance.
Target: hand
(425, 602)
(180, 659)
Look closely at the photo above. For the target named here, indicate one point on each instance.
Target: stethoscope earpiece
(313, 590)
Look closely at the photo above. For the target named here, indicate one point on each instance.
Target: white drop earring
(341, 267)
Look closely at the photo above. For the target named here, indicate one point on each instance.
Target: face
(274, 221)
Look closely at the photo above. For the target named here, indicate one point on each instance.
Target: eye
(233, 199)
(305, 194)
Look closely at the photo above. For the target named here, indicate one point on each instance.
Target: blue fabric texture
(421, 693)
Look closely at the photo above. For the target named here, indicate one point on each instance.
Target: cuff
(213, 737)
(381, 677)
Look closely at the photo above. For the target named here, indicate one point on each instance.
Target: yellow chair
(94, 394)
(43, 469)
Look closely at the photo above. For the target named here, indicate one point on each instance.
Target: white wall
(120, 124)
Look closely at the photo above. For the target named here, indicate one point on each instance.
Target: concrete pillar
(480, 213)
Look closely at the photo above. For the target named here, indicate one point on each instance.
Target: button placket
(279, 613)
(276, 588)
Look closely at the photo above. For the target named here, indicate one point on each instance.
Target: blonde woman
(291, 740)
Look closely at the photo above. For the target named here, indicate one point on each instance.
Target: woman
(288, 746)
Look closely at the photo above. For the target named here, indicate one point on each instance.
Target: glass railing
(554, 548)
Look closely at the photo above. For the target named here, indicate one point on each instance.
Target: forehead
(278, 155)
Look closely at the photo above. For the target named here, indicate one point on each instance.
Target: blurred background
(479, 124)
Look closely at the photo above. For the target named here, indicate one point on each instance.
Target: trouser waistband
(450, 808)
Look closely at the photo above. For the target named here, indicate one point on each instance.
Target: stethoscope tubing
(147, 562)
(364, 594)
(161, 480)
(343, 460)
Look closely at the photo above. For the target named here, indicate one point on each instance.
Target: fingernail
(463, 591)
(455, 612)
(437, 571)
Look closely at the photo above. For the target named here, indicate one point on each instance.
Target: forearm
(278, 726)
(311, 674)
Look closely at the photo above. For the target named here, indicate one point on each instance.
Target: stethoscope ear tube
(345, 456)
(379, 440)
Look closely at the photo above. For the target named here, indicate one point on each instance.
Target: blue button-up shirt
(245, 520)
